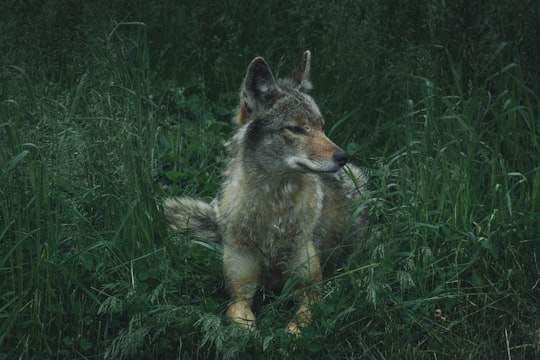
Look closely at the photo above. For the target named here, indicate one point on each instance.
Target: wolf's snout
(341, 158)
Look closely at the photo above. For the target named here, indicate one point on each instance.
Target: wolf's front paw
(294, 329)
(240, 313)
(300, 320)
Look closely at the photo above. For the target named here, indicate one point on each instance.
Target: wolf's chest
(281, 219)
(276, 222)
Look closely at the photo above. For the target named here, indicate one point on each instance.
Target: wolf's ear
(300, 74)
(259, 90)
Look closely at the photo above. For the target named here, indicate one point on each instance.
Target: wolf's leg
(241, 269)
(307, 269)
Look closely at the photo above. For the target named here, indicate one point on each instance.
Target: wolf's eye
(296, 130)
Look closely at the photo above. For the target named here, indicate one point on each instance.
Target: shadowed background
(108, 107)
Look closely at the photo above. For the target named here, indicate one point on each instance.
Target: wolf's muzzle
(341, 158)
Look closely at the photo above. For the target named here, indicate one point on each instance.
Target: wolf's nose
(341, 157)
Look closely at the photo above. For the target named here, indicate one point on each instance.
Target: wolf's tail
(193, 216)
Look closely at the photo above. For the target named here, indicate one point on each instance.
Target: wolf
(287, 207)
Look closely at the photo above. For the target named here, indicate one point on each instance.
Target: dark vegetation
(108, 107)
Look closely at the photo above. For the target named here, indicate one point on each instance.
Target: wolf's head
(281, 126)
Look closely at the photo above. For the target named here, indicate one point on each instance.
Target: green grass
(106, 112)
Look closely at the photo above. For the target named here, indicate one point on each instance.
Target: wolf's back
(193, 216)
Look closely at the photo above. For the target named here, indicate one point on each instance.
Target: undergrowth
(136, 104)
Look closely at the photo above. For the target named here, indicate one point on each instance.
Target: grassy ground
(103, 113)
